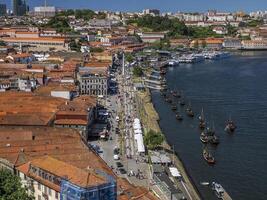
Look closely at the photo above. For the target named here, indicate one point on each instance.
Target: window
(45, 189)
(39, 186)
(25, 177)
(39, 197)
(49, 191)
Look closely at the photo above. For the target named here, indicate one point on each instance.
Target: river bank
(150, 119)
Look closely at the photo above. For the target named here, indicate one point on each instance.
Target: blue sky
(164, 5)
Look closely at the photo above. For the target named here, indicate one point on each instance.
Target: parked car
(116, 157)
(119, 165)
(122, 171)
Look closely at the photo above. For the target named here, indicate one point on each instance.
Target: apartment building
(34, 40)
(78, 114)
(93, 78)
(193, 17)
(150, 37)
(254, 44)
(39, 43)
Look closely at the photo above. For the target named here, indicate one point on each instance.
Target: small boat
(174, 107)
(218, 189)
(204, 138)
(214, 140)
(168, 100)
(208, 157)
(205, 183)
(189, 112)
(230, 126)
(176, 94)
(182, 102)
(162, 72)
(179, 116)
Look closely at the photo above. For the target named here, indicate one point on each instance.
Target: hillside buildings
(34, 39)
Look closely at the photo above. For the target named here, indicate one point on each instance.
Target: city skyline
(169, 5)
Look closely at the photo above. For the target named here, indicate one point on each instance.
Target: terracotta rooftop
(43, 39)
(80, 177)
(71, 122)
(55, 149)
(60, 143)
(21, 108)
(55, 86)
(97, 64)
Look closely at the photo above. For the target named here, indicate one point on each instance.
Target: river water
(236, 87)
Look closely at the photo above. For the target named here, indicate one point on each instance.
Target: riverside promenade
(150, 118)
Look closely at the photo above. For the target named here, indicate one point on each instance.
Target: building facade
(20, 7)
(45, 11)
(47, 178)
(2, 9)
(93, 81)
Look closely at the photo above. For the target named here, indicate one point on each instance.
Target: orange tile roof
(55, 149)
(26, 32)
(51, 39)
(60, 143)
(97, 64)
(55, 86)
(71, 122)
(21, 108)
(21, 55)
(80, 177)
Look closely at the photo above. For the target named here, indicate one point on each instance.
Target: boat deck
(226, 196)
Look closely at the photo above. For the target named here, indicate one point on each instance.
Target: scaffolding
(107, 191)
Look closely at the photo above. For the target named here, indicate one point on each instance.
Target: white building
(154, 12)
(193, 18)
(45, 11)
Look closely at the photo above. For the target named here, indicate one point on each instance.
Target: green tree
(153, 139)
(96, 49)
(255, 23)
(2, 43)
(59, 23)
(137, 71)
(75, 45)
(129, 58)
(232, 31)
(11, 187)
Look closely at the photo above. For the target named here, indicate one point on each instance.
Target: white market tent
(138, 131)
(136, 126)
(136, 120)
(174, 172)
(140, 143)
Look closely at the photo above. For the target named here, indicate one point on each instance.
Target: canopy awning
(140, 143)
(174, 172)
